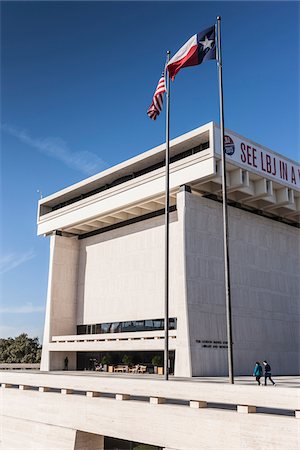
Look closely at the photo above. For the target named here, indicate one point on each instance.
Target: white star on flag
(207, 43)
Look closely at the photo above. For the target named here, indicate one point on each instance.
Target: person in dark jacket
(257, 372)
(268, 373)
(66, 363)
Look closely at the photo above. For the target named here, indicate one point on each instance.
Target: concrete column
(61, 300)
(183, 363)
(88, 441)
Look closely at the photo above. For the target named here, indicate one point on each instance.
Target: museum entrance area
(132, 362)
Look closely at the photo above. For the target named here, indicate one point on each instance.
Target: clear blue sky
(77, 79)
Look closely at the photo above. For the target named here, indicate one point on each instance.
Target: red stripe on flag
(190, 59)
(157, 100)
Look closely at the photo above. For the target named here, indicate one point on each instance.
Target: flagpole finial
(168, 52)
(218, 17)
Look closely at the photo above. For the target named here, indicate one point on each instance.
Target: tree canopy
(21, 349)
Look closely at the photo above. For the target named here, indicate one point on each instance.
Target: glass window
(81, 329)
(148, 324)
(115, 327)
(98, 328)
(105, 327)
(157, 324)
(139, 325)
(172, 324)
(128, 326)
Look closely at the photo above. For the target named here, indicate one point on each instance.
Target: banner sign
(255, 158)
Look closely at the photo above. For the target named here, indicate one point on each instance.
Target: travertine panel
(265, 289)
(18, 434)
(121, 273)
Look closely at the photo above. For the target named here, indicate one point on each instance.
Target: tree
(21, 349)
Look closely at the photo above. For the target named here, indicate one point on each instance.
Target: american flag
(157, 101)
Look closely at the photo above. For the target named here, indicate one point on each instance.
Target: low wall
(19, 366)
(179, 415)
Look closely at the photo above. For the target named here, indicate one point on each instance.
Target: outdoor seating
(121, 369)
(126, 369)
(134, 369)
(142, 369)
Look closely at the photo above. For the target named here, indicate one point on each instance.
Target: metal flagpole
(225, 213)
(167, 208)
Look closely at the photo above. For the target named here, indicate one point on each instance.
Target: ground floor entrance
(104, 360)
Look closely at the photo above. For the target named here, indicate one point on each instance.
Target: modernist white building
(106, 275)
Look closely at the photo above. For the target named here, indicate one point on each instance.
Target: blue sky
(76, 81)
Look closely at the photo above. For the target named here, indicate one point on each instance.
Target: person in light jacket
(257, 372)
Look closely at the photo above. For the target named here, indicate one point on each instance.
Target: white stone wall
(18, 434)
(122, 277)
(119, 276)
(121, 273)
(264, 262)
(61, 299)
(116, 276)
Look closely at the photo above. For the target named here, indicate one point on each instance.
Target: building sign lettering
(258, 159)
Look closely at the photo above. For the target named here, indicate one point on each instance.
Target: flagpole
(167, 221)
(225, 212)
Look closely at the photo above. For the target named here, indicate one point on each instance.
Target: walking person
(257, 372)
(66, 363)
(268, 373)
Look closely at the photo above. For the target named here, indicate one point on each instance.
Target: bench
(121, 369)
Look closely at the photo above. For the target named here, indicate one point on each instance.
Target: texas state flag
(199, 48)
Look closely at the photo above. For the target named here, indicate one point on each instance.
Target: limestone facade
(102, 270)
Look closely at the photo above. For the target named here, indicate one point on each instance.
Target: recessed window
(128, 326)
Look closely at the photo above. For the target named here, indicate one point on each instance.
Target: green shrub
(157, 360)
(106, 359)
(127, 359)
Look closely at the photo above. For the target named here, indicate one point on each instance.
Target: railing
(114, 337)
(181, 415)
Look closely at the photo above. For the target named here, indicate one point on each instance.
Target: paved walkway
(282, 381)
